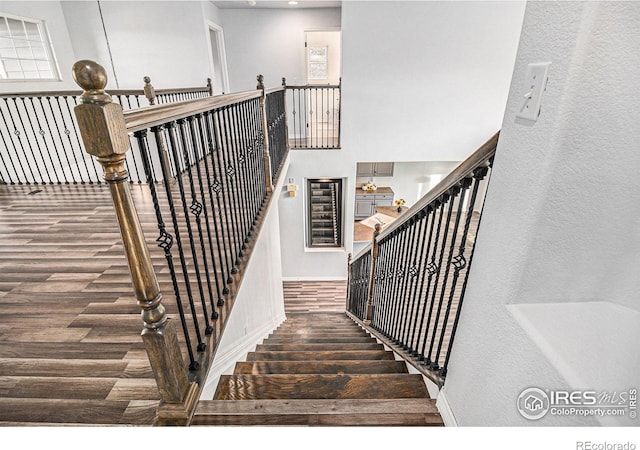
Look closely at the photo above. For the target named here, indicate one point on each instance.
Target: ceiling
(259, 4)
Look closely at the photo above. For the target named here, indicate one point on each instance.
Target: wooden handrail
(483, 154)
(313, 86)
(111, 92)
(274, 89)
(148, 116)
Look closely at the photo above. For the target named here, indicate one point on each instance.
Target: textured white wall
(552, 299)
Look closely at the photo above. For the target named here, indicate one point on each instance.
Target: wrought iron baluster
(458, 262)
(434, 269)
(454, 191)
(250, 166)
(231, 170)
(53, 135)
(15, 149)
(398, 273)
(19, 133)
(406, 276)
(218, 272)
(165, 239)
(173, 146)
(239, 159)
(67, 133)
(251, 169)
(426, 272)
(195, 208)
(461, 264)
(41, 131)
(461, 193)
(198, 207)
(414, 273)
(217, 187)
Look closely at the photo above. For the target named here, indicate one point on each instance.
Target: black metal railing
(205, 166)
(416, 270)
(41, 142)
(277, 126)
(314, 116)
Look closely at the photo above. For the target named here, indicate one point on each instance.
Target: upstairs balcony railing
(314, 116)
(407, 287)
(41, 143)
(210, 165)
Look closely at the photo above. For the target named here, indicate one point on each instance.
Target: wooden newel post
(149, 91)
(374, 260)
(265, 134)
(104, 134)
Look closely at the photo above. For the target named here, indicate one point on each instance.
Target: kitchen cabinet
(366, 202)
(374, 169)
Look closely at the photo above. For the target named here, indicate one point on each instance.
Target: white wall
(428, 79)
(552, 299)
(52, 15)
(165, 40)
(422, 81)
(270, 42)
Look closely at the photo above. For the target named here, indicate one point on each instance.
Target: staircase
(322, 369)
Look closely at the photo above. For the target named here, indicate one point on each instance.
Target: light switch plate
(533, 87)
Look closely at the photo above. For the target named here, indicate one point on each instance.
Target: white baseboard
(223, 363)
(336, 278)
(445, 409)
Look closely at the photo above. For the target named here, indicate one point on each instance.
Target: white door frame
(211, 26)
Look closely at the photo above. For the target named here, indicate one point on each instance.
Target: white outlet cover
(534, 85)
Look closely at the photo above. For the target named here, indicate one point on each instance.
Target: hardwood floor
(70, 346)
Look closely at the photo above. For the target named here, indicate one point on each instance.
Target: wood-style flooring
(70, 346)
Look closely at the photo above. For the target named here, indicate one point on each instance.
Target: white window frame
(45, 40)
(322, 60)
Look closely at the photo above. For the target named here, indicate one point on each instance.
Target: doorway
(323, 56)
(218, 60)
(323, 68)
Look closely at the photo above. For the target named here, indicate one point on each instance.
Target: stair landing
(319, 368)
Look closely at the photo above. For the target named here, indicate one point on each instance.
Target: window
(25, 52)
(318, 63)
(324, 221)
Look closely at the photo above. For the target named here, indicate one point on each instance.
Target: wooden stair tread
(289, 386)
(319, 355)
(325, 412)
(320, 340)
(293, 347)
(320, 367)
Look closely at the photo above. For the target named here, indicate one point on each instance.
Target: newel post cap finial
(260, 79)
(284, 82)
(92, 78)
